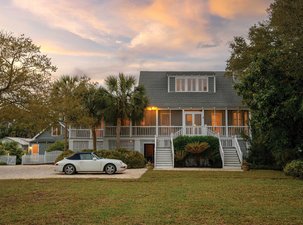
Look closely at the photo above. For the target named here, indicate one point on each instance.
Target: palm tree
(65, 97)
(94, 101)
(126, 101)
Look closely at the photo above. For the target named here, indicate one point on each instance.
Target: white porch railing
(110, 131)
(144, 131)
(218, 130)
(151, 131)
(168, 130)
(85, 133)
(226, 141)
(238, 130)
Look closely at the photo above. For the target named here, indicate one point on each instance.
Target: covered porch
(164, 122)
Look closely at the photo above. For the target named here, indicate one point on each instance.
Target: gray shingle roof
(156, 82)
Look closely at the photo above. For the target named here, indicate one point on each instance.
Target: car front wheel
(110, 168)
(69, 169)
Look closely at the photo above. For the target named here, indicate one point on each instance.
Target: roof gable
(156, 84)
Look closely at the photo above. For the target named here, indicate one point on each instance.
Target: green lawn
(159, 197)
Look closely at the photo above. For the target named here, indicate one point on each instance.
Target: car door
(89, 164)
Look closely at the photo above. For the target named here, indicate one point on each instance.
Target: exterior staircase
(230, 151)
(163, 158)
(231, 158)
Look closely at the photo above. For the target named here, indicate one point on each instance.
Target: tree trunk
(94, 137)
(65, 136)
(118, 130)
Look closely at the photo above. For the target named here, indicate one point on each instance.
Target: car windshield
(75, 156)
(95, 156)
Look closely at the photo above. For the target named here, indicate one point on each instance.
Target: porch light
(152, 108)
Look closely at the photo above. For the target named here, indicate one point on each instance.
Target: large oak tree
(269, 72)
(24, 83)
(24, 71)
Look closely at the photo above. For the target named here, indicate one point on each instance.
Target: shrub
(13, 149)
(64, 154)
(181, 141)
(294, 168)
(57, 146)
(245, 166)
(264, 167)
(2, 163)
(260, 155)
(132, 158)
(196, 147)
(211, 155)
(2, 150)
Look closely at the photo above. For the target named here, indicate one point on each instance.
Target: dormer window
(191, 84)
(56, 130)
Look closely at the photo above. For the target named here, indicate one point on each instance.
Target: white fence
(48, 157)
(8, 159)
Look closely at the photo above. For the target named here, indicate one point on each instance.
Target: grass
(159, 197)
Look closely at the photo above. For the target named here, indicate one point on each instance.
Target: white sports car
(89, 162)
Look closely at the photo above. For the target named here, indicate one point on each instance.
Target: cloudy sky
(102, 37)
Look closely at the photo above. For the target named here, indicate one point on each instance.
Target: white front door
(193, 123)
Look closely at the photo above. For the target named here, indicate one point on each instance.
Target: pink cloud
(231, 9)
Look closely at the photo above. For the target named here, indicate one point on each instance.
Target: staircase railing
(221, 151)
(237, 146)
(155, 155)
(172, 149)
(178, 133)
(211, 133)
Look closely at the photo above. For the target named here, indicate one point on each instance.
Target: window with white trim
(56, 130)
(191, 84)
(180, 84)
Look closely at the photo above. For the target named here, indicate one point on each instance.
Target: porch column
(249, 127)
(183, 122)
(226, 121)
(90, 134)
(202, 122)
(214, 123)
(130, 128)
(69, 132)
(238, 117)
(157, 121)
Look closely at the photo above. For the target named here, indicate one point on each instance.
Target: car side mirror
(94, 158)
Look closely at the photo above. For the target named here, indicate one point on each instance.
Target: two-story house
(181, 103)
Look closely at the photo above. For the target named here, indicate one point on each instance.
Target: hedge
(64, 154)
(133, 159)
(294, 168)
(212, 154)
(57, 146)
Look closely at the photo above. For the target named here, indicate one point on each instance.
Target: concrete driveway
(47, 171)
